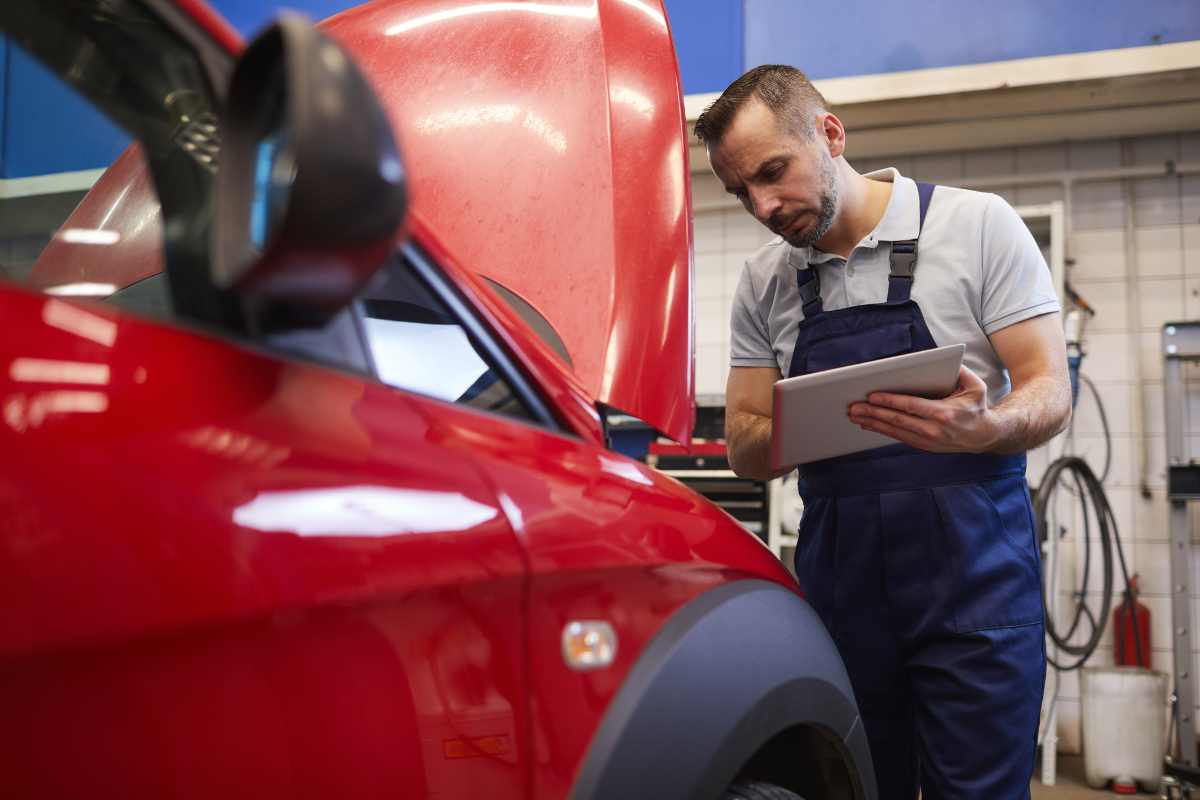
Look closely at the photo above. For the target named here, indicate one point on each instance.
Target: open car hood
(546, 148)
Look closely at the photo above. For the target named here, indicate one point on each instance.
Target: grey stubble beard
(829, 203)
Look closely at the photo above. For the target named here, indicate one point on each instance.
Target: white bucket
(1124, 725)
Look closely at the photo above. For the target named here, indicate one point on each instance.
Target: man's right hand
(748, 421)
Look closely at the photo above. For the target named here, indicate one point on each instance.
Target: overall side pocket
(999, 581)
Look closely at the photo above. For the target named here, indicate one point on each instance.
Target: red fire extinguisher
(1131, 630)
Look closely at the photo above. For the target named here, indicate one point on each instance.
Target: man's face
(788, 182)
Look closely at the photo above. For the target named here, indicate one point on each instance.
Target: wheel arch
(743, 681)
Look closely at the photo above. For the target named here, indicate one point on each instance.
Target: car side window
(418, 345)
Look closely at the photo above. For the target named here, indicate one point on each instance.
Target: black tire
(759, 791)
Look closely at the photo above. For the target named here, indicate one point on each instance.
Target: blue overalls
(925, 569)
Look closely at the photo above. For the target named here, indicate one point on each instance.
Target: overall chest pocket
(855, 347)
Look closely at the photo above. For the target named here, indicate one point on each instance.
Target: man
(920, 557)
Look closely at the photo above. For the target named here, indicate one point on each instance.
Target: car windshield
(112, 128)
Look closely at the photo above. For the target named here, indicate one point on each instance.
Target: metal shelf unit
(1181, 343)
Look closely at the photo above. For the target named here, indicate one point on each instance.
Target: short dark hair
(785, 90)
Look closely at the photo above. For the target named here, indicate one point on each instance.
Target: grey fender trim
(727, 672)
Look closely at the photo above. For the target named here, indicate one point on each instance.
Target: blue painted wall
(44, 129)
(708, 42)
(250, 16)
(862, 37)
(49, 127)
(3, 97)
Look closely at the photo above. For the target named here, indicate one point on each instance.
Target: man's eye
(773, 173)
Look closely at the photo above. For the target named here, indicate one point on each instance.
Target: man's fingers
(869, 414)
(899, 434)
(917, 406)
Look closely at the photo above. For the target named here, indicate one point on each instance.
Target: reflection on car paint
(23, 413)
(624, 469)
(84, 324)
(241, 447)
(362, 511)
(49, 370)
(475, 9)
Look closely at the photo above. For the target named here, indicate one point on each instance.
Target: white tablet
(811, 420)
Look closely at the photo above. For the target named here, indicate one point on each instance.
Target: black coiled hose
(1094, 502)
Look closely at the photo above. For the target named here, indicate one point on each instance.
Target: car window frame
(426, 270)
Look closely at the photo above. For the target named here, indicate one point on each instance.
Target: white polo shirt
(978, 271)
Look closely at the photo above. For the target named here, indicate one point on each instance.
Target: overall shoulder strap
(903, 258)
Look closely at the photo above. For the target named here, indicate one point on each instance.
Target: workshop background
(1084, 116)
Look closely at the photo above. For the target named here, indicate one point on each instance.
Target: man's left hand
(958, 423)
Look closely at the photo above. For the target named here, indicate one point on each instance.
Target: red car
(314, 498)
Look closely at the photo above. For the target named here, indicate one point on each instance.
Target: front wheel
(759, 791)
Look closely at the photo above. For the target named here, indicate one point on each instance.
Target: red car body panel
(304, 587)
(547, 148)
(607, 538)
(321, 598)
(122, 200)
(546, 143)
(226, 568)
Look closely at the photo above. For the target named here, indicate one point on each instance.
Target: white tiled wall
(1166, 264)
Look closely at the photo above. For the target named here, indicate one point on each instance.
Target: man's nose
(764, 204)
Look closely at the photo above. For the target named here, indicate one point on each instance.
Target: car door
(228, 571)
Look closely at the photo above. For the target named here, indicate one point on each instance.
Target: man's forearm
(1032, 414)
(748, 439)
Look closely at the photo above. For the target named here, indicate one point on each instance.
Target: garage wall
(1165, 285)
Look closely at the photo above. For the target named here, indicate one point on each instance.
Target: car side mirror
(311, 192)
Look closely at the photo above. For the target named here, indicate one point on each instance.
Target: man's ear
(831, 131)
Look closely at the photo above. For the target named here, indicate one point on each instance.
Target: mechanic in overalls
(920, 557)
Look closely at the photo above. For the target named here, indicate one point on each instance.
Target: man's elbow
(1065, 403)
(749, 467)
(1060, 411)
(737, 462)
(743, 462)
(1064, 420)
(748, 471)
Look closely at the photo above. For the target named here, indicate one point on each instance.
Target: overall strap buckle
(903, 259)
(903, 262)
(809, 284)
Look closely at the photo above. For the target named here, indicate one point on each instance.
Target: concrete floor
(1070, 784)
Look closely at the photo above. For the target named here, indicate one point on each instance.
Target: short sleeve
(749, 342)
(1016, 281)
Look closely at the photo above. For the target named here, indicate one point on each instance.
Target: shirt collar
(901, 219)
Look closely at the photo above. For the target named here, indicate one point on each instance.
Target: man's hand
(1037, 408)
(959, 423)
